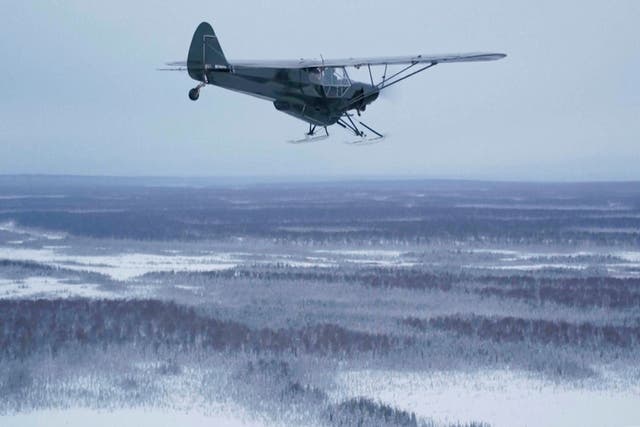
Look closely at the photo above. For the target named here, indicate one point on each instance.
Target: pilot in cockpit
(315, 75)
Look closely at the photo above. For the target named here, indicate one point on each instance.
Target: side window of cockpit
(315, 76)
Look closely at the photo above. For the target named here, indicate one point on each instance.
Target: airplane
(318, 92)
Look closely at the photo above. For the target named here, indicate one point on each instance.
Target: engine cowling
(362, 97)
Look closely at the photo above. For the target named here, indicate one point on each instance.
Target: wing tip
(486, 56)
(496, 56)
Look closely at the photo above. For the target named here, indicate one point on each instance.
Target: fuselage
(317, 96)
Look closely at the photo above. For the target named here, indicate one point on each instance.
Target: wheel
(194, 94)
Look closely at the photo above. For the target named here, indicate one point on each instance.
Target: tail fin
(205, 52)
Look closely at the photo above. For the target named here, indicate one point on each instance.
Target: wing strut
(399, 77)
(395, 78)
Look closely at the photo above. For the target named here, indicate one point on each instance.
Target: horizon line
(310, 179)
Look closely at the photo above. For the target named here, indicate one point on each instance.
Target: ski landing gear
(347, 123)
(363, 138)
(311, 136)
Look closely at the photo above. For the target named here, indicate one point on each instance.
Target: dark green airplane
(316, 91)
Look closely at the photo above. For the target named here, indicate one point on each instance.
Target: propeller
(392, 93)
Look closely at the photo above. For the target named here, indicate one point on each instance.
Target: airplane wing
(359, 62)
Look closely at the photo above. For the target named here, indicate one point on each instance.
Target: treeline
(366, 412)
(305, 221)
(409, 211)
(22, 268)
(276, 386)
(600, 291)
(30, 266)
(30, 326)
(361, 411)
(374, 277)
(590, 291)
(515, 329)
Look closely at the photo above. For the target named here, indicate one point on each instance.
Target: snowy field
(501, 398)
(224, 417)
(430, 303)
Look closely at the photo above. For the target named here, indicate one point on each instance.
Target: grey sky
(79, 94)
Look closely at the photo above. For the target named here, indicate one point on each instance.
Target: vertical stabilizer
(205, 52)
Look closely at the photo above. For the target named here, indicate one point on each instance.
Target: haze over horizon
(86, 99)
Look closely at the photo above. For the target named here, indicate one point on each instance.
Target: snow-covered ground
(40, 287)
(122, 266)
(29, 234)
(27, 244)
(129, 265)
(371, 257)
(500, 398)
(623, 263)
(221, 417)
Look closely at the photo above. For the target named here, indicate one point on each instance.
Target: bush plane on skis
(318, 92)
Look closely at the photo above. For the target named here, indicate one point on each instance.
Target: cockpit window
(334, 80)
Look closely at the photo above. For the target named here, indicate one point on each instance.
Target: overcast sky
(79, 93)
